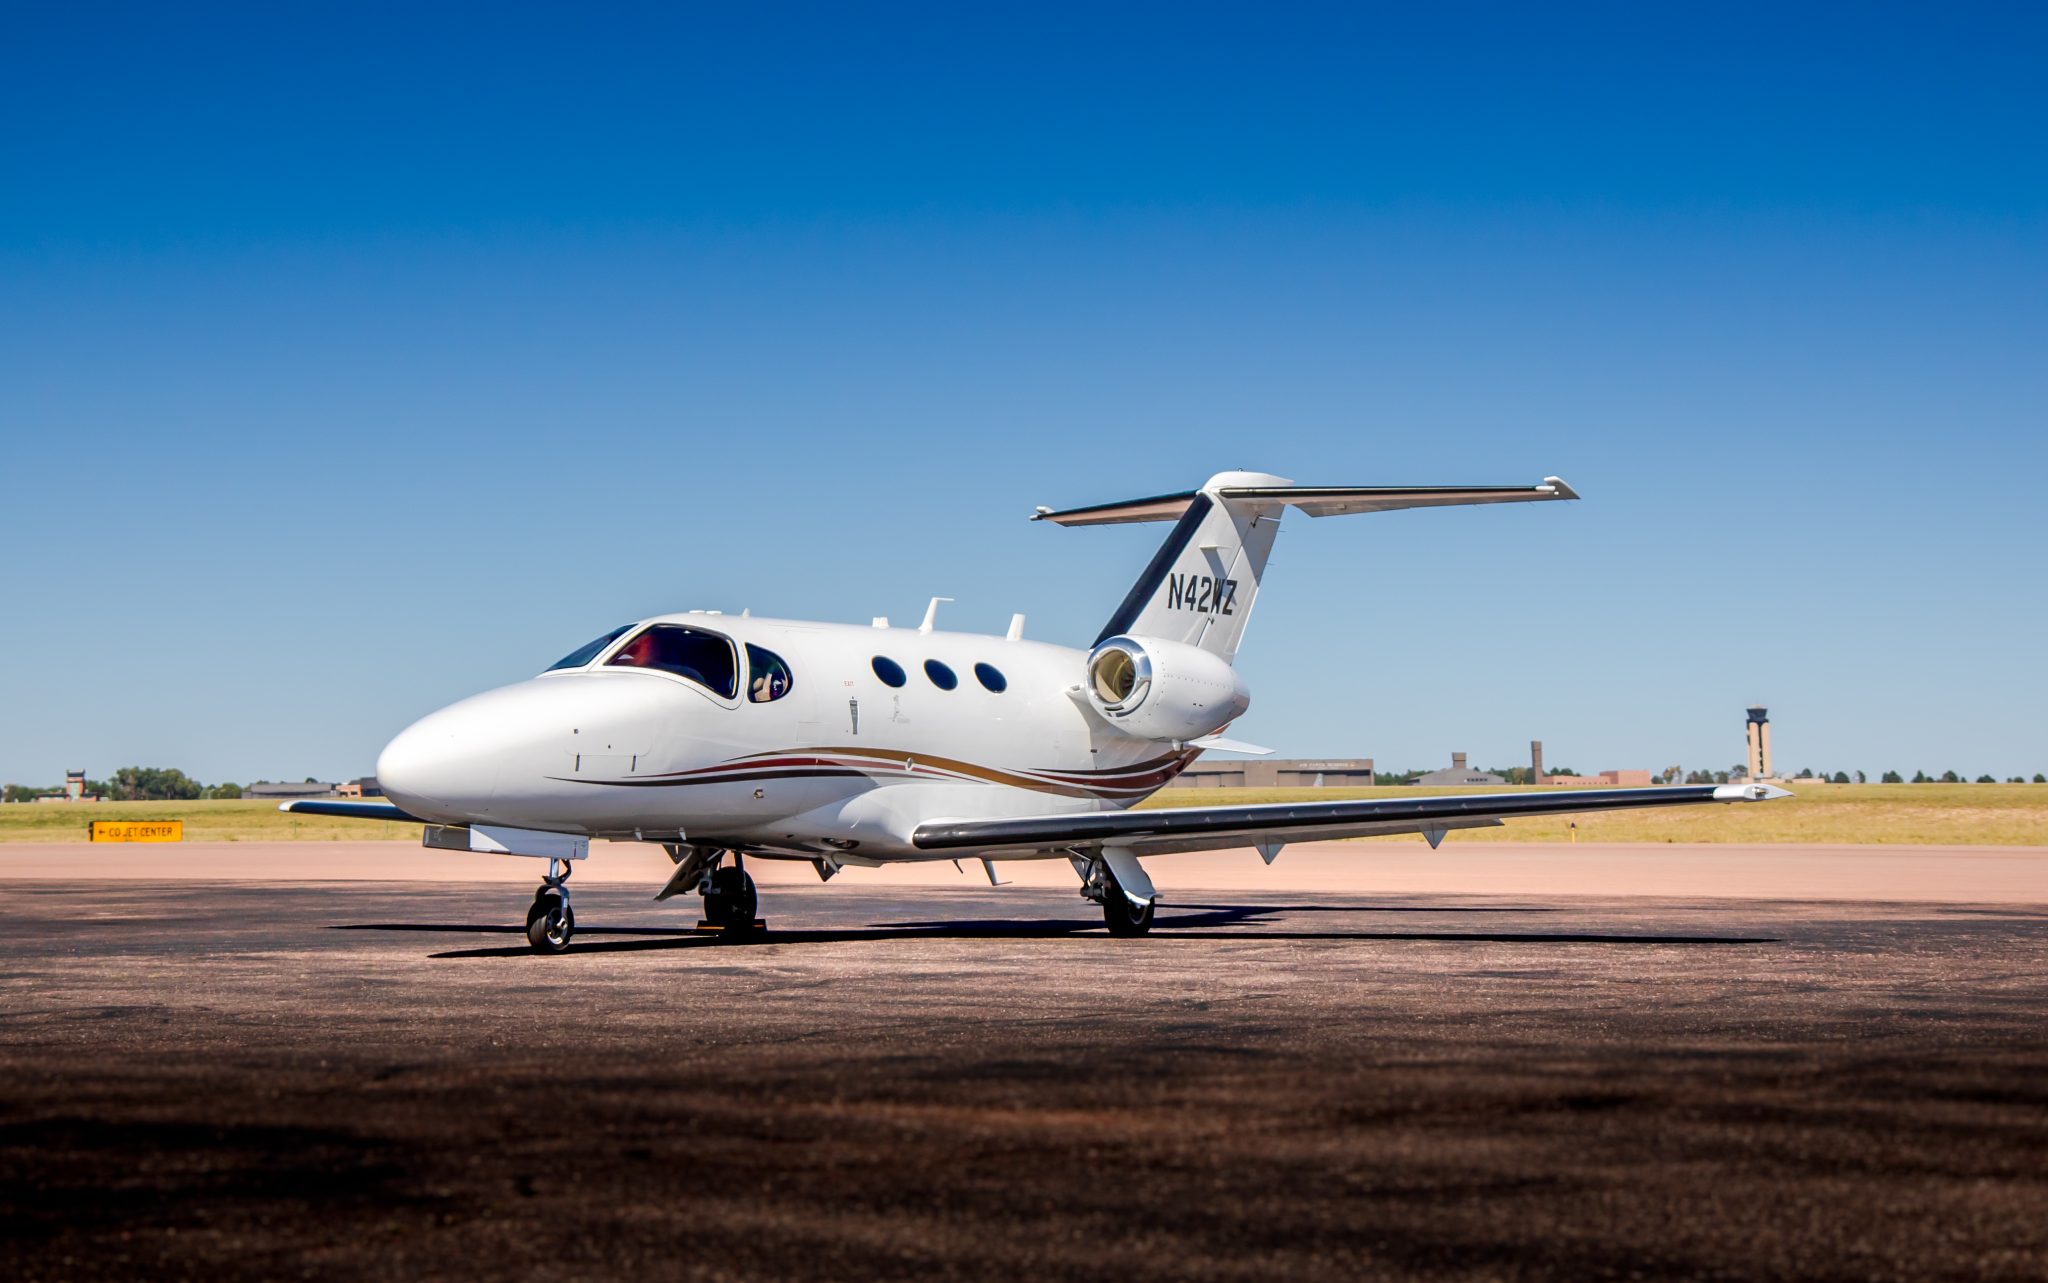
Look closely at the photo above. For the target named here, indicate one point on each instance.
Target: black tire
(1123, 917)
(732, 901)
(550, 924)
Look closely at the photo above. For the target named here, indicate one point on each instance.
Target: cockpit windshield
(704, 658)
(584, 654)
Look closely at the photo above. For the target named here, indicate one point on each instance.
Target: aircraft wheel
(732, 901)
(1123, 917)
(550, 923)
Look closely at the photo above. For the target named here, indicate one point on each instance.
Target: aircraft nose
(442, 767)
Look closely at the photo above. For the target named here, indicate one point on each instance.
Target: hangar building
(1459, 773)
(1281, 773)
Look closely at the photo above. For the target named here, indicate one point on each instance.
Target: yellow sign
(138, 830)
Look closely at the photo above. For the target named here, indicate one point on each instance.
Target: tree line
(1844, 777)
(1523, 775)
(134, 784)
(1512, 774)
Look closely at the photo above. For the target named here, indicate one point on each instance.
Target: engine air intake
(1120, 674)
(1163, 690)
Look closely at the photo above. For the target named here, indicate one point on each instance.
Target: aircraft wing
(1203, 828)
(350, 810)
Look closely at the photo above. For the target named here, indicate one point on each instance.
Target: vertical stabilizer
(1200, 585)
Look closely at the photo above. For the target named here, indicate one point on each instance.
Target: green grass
(1925, 814)
(1857, 814)
(204, 822)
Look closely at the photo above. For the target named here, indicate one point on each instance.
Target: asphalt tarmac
(242, 1080)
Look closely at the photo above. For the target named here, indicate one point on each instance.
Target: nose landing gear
(551, 921)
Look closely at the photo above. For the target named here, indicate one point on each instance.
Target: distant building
(1757, 728)
(1281, 773)
(367, 786)
(1459, 773)
(74, 790)
(1605, 779)
(286, 792)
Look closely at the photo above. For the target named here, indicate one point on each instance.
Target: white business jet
(726, 738)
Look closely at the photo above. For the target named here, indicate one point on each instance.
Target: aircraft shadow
(506, 929)
(986, 931)
(1170, 917)
(1364, 908)
(1218, 924)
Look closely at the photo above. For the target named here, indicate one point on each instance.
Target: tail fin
(1200, 585)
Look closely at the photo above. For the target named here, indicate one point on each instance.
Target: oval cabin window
(768, 675)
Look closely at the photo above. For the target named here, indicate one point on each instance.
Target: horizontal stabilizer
(1335, 501)
(1316, 501)
(350, 810)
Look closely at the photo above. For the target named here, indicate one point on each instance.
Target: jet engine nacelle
(1163, 690)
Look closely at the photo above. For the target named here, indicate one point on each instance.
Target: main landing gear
(1123, 915)
(1125, 918)
(550, 922)
(729, 898)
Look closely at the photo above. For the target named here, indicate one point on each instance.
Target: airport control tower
(1760, 743)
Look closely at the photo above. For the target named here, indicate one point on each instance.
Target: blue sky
(355, 359)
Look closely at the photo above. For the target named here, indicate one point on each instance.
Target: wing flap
(1207, 827)
(1224, 841)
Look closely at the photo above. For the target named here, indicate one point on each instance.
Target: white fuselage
(839, 765)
